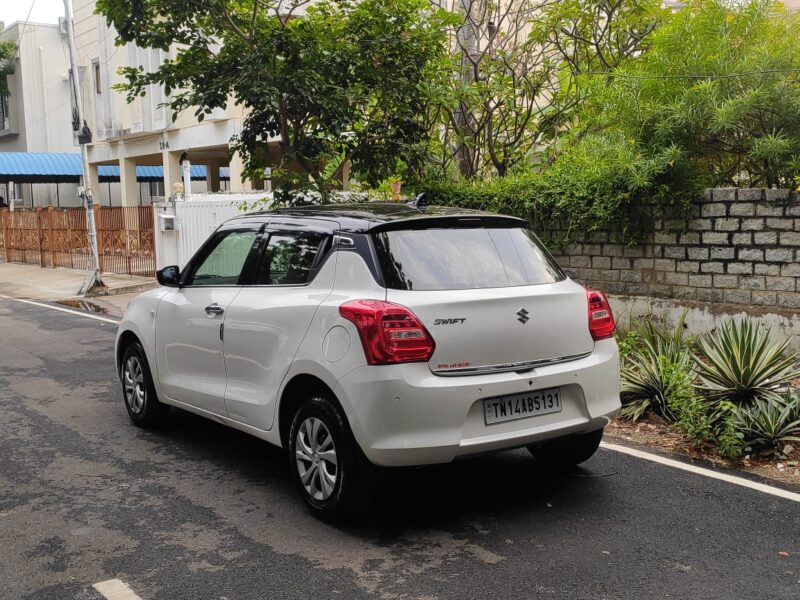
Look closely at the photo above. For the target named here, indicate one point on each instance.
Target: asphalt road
(198, 511)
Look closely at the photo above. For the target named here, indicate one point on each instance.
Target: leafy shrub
(771, 421)
(741, 362)
(607, 182)
(728, 436)
(626, 342)
(693, 418)
(602, 183)
(715, 423)
(512, 195)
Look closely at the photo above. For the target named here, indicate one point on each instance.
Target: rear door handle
(214, 309)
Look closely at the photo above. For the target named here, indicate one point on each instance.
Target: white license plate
(520, 406)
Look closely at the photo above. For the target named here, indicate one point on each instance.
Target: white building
(36, 115)
(143, 132)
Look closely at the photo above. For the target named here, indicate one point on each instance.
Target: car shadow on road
(503, 484)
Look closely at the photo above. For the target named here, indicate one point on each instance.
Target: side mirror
(169, 276)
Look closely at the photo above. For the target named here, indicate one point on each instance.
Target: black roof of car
(377, 216)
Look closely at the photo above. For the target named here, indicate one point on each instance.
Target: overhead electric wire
(694, 76)
(22, 32)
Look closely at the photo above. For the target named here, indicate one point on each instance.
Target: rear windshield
(464, 258)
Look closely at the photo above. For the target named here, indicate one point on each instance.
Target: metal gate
(58, 237)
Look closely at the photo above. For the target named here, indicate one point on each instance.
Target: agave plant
(652, 383)
(657, 374)
(770, 422)
(741, 362)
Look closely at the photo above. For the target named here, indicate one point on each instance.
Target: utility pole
(84, 138)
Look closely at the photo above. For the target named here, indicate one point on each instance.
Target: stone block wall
(741, 246)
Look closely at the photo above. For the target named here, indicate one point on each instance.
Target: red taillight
(390, 333)
(601, 320)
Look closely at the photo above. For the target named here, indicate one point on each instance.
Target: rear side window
(464, 258)
(290, 258)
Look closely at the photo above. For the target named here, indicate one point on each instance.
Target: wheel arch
(126, 338)
(294, 393)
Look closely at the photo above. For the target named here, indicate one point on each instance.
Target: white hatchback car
(371, 335)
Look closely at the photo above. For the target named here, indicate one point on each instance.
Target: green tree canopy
(333, 81)
(8, 50)
(597, 35)
(521, 71)
(720, 82)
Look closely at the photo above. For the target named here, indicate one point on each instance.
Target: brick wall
(741, 246)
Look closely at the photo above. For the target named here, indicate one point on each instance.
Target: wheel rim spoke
(315, 431)
(302, 453)
(329, 456)
(306, 476)
(327, 481)
(305, 447)
(328, 443)
(316, 482)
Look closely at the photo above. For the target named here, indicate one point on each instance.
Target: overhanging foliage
(332, 82)
(7, 52)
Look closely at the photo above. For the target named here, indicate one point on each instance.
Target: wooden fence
(58, 237)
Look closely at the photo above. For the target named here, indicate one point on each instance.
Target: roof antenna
(420, 201)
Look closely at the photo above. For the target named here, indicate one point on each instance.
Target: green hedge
(603, 184)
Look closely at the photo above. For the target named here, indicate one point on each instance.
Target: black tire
(353, 487)
(143, 407)
(566, 452)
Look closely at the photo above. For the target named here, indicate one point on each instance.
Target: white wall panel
(195, 221)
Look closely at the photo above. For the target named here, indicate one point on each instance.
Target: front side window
(464, 258)
(223, 264)
(289, 258)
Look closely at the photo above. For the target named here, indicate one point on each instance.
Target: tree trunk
(467, 36)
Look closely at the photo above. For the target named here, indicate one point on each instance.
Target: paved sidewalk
(36, 283)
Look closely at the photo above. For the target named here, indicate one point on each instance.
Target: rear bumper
(403, 415)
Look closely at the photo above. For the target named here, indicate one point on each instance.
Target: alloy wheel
(317, 464)
(133, 379)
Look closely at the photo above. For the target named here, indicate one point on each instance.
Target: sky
(44, 11)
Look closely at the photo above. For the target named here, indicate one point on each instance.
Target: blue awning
(63, 167)
(40, 167)
(145, 173)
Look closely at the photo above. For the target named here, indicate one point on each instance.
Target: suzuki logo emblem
(523, 316)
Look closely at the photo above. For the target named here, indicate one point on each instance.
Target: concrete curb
(134, 288)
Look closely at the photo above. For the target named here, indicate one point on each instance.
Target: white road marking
(114, 589)
(753, 485)
(66, 310)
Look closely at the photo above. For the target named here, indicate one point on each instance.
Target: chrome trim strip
(506, 367)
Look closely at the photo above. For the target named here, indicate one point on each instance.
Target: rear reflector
(390, 333)
(601, 320)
